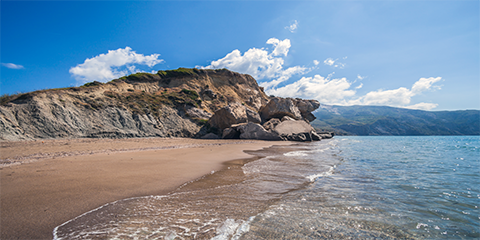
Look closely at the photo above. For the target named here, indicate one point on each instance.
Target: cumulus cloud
(339, 92)
(281, 47)
(260, 63)
(267, 66)
(400, 97)
(325, 90)
(422, 106)
(114, 64)
(12, 66)
(293, 27)
(284, 76)
(334, 62)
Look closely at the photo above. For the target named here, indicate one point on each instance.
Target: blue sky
(413, 54)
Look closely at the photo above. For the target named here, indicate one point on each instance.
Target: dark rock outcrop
(230, 133)
(210, 136)
(252, 116)
(271, 124)
(237, 121)
(326, 135)
(278, 108)
(256, 131)
(306, 107)
(295, 130)
(227, 116)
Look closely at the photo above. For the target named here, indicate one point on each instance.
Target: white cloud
(114, 64)
(334, 62)
(325, 90)
(399, 97)
(293, 27)
(260, 63)
(268, 66)
(423, 106)
(425, 84)
(12, 66)
(284, 76)
(339, 92)
(329, 61)
(281, 47)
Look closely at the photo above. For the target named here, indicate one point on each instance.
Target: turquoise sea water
(343, 188)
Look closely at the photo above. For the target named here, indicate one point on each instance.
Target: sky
(410, 54)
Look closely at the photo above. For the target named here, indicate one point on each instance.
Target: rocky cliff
(173, 103)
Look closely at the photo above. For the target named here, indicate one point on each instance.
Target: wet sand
(45, 183)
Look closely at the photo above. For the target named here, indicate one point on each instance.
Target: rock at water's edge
(256, 131)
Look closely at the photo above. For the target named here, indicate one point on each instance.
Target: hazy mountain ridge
(382, 120)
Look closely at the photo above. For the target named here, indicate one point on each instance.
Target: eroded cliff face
(175, 103)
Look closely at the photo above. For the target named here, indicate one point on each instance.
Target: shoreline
(53, 181)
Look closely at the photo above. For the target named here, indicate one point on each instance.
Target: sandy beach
(45, 183)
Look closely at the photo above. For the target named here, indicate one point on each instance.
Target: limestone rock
(256, 131)
(227, 116)
(278, 108)
(271, 124)
(296, 130)
(255, 102)
(315, 136)
(194, 112)
(253, 116)
(287, 118)
(230, 133)
(309, 117)
(210, 136)
(326, 135)
(306, 107)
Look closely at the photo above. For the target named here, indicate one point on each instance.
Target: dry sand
(45, 183)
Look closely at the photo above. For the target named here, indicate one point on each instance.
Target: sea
(355, 187)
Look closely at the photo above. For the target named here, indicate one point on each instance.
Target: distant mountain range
(382, 120)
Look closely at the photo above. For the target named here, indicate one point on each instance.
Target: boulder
(230, 133)
(227, 116)
(326, 135)
(278, 108)
(271, 124)
(255, 102)
(256, 131)
(309, 117)
(315, 136)
(253, 116)
(287, 118)
(296, 130)
(210, 136)
(306, 107)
